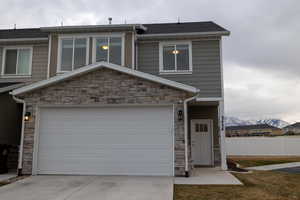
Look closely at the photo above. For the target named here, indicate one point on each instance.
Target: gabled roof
(250, 127)
(295, 125)
(93, 67)
(22, 33)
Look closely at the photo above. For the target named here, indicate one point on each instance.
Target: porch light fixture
(175, 52)
(104, 47)
(27, 116)
(180, 115)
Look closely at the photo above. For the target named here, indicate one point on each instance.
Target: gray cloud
(264, 39)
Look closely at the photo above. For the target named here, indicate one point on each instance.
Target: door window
(200, 127)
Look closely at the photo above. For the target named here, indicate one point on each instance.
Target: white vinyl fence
(263, 146)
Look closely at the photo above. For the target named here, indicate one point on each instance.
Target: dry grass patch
(257, 185)
(252, 161)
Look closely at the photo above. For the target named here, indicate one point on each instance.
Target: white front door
(201, 140)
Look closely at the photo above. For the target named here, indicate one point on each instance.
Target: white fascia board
(61, 28)
(99, 65)
(219, 33)
(23, 39)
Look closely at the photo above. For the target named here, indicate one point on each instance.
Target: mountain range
(235, 121)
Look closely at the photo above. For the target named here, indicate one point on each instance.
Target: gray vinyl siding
(39, 64)
(206, 65)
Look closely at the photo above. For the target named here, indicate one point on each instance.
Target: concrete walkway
(274, 167)
(89, 188)
(208, 176)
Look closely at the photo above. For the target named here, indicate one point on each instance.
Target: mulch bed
(12, 180)
(233, 166)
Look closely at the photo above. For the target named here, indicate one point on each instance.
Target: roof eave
(11, 87)
(95, 27)
(24, 39)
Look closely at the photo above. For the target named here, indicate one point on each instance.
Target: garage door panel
(109, 141)
(94, 166)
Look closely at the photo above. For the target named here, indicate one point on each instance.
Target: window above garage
(108, 49)
(73, 53)
(74, 50)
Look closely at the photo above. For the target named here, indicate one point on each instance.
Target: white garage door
(106, 141)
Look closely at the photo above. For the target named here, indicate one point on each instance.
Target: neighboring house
(293, 128)
(127, 99)
(253, 130)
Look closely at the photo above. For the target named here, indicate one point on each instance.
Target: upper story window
(175, 57)
(108, 49)
(73, 53)
(17, 61)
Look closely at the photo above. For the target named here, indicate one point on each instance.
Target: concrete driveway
(89, 187)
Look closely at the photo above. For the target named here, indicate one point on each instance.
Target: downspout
(20, 160)
(185, 102)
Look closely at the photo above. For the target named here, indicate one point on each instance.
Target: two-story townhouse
(118, 99)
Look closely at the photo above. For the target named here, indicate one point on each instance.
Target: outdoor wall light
(180, 115)
(27, 116)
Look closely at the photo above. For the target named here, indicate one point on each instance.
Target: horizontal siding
(206, 65)
(39, 64)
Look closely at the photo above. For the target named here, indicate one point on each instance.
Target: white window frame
(73, 37)
(121, 35)
(161, 58)
(3, 75)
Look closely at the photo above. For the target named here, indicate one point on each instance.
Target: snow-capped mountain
(273, 122)
(235, 121)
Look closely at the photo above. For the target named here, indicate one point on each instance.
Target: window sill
(179, 72)
(15, 76)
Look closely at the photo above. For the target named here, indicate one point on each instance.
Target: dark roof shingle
(184, 27)
(160, 28)
(22, 33)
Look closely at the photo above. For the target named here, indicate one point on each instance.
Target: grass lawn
(259, 161)
(259, 185)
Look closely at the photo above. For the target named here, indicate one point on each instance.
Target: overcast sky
(261, 57)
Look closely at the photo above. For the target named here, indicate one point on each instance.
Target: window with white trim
(73, 53)
(108, 49)
(175, 57)
(17, 61)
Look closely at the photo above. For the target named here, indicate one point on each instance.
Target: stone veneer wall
(101, 87)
